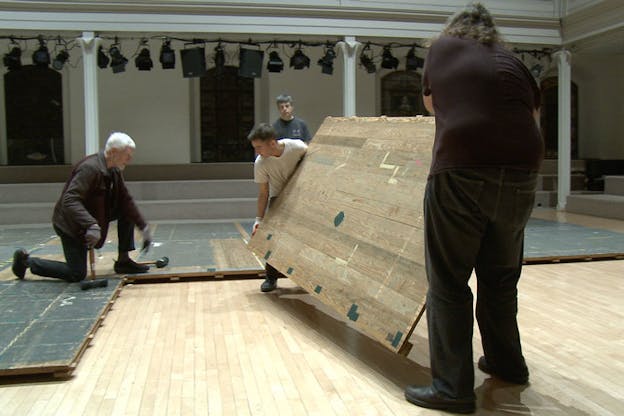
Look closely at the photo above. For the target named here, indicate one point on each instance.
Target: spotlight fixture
(299, 60)
(536, 70)
(143, 61)
(275, 63)
(387, 60)
(12, 60)
(327, 61)
(167, 55)
(60, 60)
(366, 61)
(118, 61)
(102, 59)
(219, 56)
(413, 62)
(41, 57)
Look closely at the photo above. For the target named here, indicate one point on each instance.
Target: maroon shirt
(483, 98)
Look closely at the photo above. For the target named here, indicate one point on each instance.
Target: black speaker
(193, 62)
(250, 63)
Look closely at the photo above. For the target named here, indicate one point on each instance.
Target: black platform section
(551, 242)
(45, 326)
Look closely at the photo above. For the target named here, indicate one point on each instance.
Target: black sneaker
(129, 267)
(269, 284)
(20, 263)
(510, 378)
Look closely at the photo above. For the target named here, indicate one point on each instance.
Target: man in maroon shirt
(94, 195)
(479, 196)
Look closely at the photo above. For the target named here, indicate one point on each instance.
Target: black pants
(75, 267)
(474, 219)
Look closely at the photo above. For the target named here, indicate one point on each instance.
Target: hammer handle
(92, 262)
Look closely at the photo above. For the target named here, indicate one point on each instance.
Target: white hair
(118, 140)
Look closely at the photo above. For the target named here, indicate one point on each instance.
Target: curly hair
(474, 22)
(264, 132)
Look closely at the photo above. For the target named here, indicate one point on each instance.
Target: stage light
(41, 57)
(536, 70)
(413, 62)
(102, 59)
(60, 60)
(143, 61)
(387, 60)
(167, 55)
(299, 60)
(219, 57)
(366, 61)
(327, 61)
(118, 61)
(275, 63)
(12, 60)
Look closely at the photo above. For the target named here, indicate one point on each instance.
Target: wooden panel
(348, 227)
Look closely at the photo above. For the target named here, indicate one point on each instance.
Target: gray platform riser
(549, 182)
(216, 209)
(550, 166)
(158, 190)
(614, 185)
(606, 206)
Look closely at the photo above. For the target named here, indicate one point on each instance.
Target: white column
(349, 49)
(89, 43)
(564, 147)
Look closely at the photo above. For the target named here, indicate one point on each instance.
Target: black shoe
(510, 378)
(425, 396)
(20, 263)
(129, 267)
(269, 284)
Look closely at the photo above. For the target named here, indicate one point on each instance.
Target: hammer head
(93, 283)
(162, 262)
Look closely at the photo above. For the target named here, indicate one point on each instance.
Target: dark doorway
(34, 116)
(227, 115)
(401, 94)
(549, 118)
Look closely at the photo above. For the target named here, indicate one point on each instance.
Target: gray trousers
(474, 219)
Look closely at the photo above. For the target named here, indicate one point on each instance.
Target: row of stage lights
(194, 58)
(250, 60)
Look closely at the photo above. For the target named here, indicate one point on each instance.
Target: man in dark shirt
(288, 126)
(479, 196)
(94, 195)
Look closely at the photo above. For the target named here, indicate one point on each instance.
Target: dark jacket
(94, 194)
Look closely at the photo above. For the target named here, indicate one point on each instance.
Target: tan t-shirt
(277, 170)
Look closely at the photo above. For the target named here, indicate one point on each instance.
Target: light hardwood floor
(224, 348)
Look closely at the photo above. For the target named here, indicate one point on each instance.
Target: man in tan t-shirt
(275, 163)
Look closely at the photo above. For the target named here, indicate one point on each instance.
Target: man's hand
(147, 239)
(256, 225)
(93, 235)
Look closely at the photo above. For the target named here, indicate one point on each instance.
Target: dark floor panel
(44, 324)
(552, 239)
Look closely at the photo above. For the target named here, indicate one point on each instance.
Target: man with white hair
(94, 195)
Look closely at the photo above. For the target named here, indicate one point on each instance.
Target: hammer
(160, 263)
(92, 282)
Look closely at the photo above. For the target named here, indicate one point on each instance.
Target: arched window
(34, 116)
(227, 115)
(401, 94)
(549, 117)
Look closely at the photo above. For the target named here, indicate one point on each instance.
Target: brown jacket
(94, 194)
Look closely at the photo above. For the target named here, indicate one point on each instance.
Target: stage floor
(35, 311)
